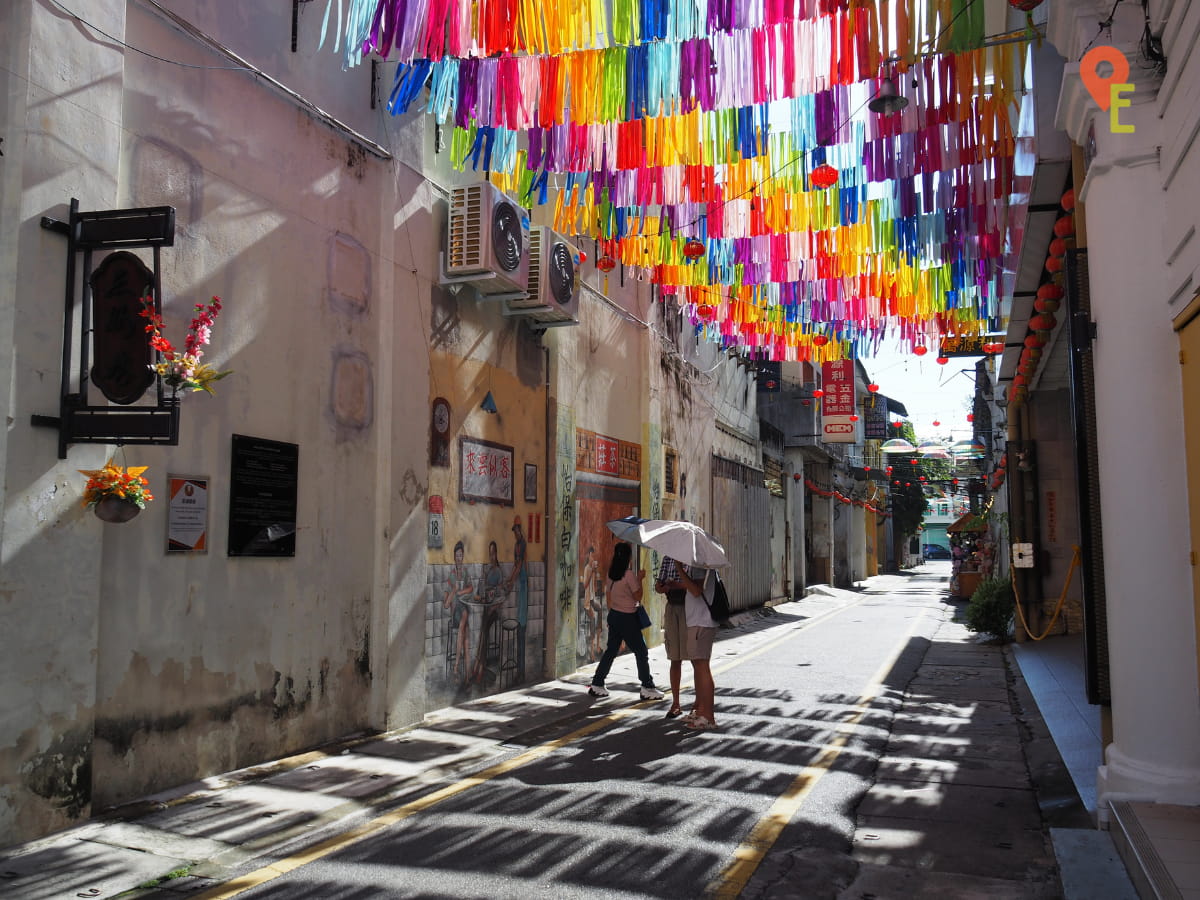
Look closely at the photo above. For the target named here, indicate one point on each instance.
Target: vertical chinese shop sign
(839, 402)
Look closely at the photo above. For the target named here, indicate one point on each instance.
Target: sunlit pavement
(869, 747)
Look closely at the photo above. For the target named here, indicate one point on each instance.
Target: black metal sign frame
(79, 421)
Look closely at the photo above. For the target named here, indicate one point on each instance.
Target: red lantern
(896, 483)
(824, 176)
(1054, 264)
(920, 351)
(1033, 342)
(889, 470)
(1065, 226)
(796, 477)
(1068, 200)
(1058, 247)
(970, 417)
(914, 461)
(819, 340)
(941, 360)
(872, 387)
(706, 311)
(922, 478)
(1050, 292)
(853, 418)
(818, 393)
(693, 249)
(1043, 322)
(936, 423)
(1046, 306)
(606, 263)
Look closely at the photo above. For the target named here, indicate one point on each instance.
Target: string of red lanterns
(842, 498)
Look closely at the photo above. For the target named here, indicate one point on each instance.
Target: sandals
(699, 723)
(674, 712)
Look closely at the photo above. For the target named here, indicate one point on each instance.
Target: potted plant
(116, 493)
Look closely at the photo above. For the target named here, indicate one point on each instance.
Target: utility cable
(1062, 598)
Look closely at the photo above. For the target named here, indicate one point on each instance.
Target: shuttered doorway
(742, 522)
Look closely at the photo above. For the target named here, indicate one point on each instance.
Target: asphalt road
(621, 802)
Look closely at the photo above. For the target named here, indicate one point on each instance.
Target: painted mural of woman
(591, 605)
(460, 590)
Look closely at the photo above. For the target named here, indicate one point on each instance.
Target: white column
(1155, 753)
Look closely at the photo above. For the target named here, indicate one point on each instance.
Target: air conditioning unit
(552, 296)
(487, 236)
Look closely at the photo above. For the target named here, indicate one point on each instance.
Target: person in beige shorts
(688, 631)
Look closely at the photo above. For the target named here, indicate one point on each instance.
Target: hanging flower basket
(115, 509)
(116, 493)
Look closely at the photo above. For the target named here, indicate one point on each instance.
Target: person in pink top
(624, 596)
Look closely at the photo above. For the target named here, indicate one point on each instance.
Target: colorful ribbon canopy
(655, 125)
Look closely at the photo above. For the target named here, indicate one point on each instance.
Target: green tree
(907, 489)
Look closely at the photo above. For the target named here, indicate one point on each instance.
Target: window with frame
(670, 471)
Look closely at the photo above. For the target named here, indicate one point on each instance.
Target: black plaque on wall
(263, 478)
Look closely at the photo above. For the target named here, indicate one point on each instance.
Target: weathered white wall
(155, 670)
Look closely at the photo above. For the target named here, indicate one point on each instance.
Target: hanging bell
(887, 101)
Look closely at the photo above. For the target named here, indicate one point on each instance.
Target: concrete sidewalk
(185, 840)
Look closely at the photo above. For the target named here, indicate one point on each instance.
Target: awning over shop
(967, 523)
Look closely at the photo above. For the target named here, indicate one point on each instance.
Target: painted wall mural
(607, 487)
(485, 596)
(478, 636)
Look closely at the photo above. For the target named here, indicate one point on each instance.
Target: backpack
(718, 607)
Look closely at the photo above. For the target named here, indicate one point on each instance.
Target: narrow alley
(868, 746)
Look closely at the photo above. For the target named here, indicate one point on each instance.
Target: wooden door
(1188, 326)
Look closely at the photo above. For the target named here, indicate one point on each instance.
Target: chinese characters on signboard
(607, 456)
(838, 404)
(875, 419)
(485, 471)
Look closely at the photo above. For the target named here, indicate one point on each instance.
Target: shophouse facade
(1098, 400)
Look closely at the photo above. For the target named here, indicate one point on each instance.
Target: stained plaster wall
(138, 671)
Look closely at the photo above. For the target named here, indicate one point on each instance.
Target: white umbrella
(897, 445)
(682, 541)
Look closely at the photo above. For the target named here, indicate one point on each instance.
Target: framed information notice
(187, 514)
(263, 478)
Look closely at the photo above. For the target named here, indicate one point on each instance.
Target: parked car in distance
(935, 551)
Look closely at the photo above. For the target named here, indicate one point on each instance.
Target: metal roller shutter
(742, 522)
